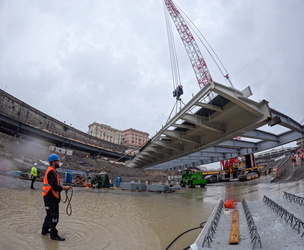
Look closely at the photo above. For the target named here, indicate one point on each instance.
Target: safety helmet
(35, 164)
(53, 157)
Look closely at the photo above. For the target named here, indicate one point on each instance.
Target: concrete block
(128, 186)
(141, 187)
(158, 188)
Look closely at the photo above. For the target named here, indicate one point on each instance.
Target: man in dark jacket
(51, 189)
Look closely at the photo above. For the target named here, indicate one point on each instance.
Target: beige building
(130, 137)
(105, 132)
(134, 138)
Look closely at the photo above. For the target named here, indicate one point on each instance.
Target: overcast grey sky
(108, 61)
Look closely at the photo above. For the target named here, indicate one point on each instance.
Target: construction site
(149, 196)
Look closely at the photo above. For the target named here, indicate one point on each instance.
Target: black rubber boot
(57, 237)
(44, 232)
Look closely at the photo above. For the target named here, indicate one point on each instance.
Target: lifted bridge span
(204, 130)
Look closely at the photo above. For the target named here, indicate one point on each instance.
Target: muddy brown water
(113, 219)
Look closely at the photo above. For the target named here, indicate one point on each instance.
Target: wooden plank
(234, 234)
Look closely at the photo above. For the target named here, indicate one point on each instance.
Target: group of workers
(51, 189)
(294, 158)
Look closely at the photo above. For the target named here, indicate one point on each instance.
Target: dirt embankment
(292, 173)
(19, 154)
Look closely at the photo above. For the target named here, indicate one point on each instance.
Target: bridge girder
(207, 135)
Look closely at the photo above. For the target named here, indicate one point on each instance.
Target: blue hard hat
(53, 157)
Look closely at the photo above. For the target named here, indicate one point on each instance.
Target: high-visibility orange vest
(46, 187)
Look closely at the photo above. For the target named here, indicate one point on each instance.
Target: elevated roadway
(14, 127)
(203, 131)
(21, 120)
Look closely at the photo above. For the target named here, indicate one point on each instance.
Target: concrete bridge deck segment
(203, 131)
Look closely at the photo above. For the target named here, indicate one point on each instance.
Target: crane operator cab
(178, 92)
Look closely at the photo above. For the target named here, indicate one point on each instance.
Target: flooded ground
(103, 219)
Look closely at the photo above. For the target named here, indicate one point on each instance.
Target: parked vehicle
(249, 175)
(243, 168)
(212, 178)
(224, 176)
(192, 178)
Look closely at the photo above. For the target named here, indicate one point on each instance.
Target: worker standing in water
(34, 174)
(51, 189)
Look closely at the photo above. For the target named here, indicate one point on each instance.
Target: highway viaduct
(21, 120)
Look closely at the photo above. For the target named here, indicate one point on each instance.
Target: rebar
(288, 217)
(213, 224)
(254, 235)
(294, 198)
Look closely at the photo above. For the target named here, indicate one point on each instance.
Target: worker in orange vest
(302, 157)
(294, 160)
(51, 189)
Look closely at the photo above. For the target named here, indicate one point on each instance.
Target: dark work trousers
(33, 180)
(51, 219)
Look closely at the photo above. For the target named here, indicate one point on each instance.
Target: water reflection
(118, 219)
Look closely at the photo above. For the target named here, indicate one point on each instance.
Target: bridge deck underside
(203, 131)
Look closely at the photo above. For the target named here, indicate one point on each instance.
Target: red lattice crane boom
(197, 61)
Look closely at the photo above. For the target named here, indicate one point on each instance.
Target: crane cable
(173, 60)
(172, 50)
